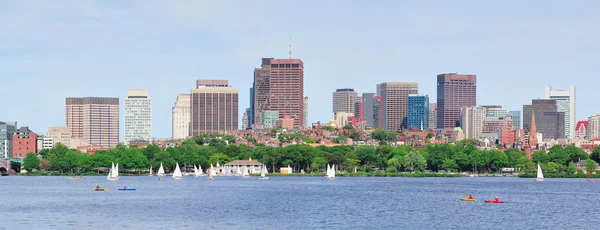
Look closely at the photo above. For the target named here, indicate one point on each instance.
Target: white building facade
(138, 116)
(566, 103)
(181, 114)
(593, 129)
(471, 121)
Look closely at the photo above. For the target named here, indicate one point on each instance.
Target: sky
(50, 51)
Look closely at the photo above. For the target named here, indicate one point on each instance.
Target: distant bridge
(9, 167)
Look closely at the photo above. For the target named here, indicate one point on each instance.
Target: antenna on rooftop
(290, 47)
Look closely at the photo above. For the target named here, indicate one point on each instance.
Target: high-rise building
(496, 112)
(418, 111)
(432, 116)
(138, 116)
(593, 128)
(181, 115)
(306, 111)
(24, 141)
(214, 108)
(581, 129)
(343, 100)
(269, 118)
(245, 119)
(377, 112)
(94, 119)
(279, 86)
(549, 120)
(358, 110)
(516, 118)
(394, 97)
(471, 121)
(454, 91)
(251, 111)
(367, 109)
(566, 103)
(7, 129)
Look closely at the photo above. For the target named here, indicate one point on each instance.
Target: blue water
(298, 203)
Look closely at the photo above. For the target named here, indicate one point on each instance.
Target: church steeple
(533, 141)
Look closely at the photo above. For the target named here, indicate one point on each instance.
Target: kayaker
(497, 200)
(97, 187)
(470, 197)
(125, 187)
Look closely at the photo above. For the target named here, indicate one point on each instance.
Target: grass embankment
(367, 174)
(560, 175)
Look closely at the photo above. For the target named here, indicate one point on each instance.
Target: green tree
(558, 155)
(595, 154)
(394, 164)
(415, 161)
(449, 165)
(540, 157)
(590, 165)
(31, 162)
(572, 169)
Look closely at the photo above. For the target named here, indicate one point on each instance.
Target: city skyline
(167, 65)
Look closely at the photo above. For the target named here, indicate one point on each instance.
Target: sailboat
(196, 174)
(200, 173)
(239, 171)
(263, 173)
(113, 174)
(211, 172)
(161, 170)
(245, 172)
(150, 171)
(328, 172)
(177, 174)
(540, 175)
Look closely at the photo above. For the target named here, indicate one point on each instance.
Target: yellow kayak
(468, 199)
(100, 189)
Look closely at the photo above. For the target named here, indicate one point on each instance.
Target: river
(298, 203)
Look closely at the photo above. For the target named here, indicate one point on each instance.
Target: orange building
(285, 123)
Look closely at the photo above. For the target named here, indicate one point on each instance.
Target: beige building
(593, 129)
(343, 100)
(471, 121)
(94, 119)
(62, 134)
(341, 118)
(394, 99)
(181, 114)
(214, 109)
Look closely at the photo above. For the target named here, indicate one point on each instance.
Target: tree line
(210, 149)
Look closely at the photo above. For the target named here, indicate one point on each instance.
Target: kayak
(592, 180)
(126, 189)
(72, 178)
(495, 202)
(468, 199)
(100, 189)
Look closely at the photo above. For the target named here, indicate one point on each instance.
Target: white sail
(161, 170)
(328, 173)
(177, 174)
(150, 174)
(262, 173)
(212, 171)
(540, 175)
(200, 170)
(109, 174)
(116, 172)
(332, 171)
(196, 171)
(113, 173)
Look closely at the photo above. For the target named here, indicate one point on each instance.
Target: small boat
(540, 175)
(331, 173)
(200, 170)
(495, 201)
(161, 171)
(263, 173)
(113, 174)
(177, 174)
(196, 172)
(468, 199)
(593, 181)
(126, 189)
(161, 180)
(99, 189)
(150, 171)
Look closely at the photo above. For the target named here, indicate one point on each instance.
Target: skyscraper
(138, 116)
(549, 121)
(377, 112)
(593, 128)
(279, 86)
(343, 100)
(181, 115)
(418, 112)
(368, 108)
(306, 111)
(394, 97)
(471, 121)
(214, 108)
(245, 121)
(516, 118)
(566, 103)
(432, 116)
(94, 119)
(251, 111)
(454, 91)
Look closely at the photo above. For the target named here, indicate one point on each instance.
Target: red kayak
(593, 180)
(495, 202)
